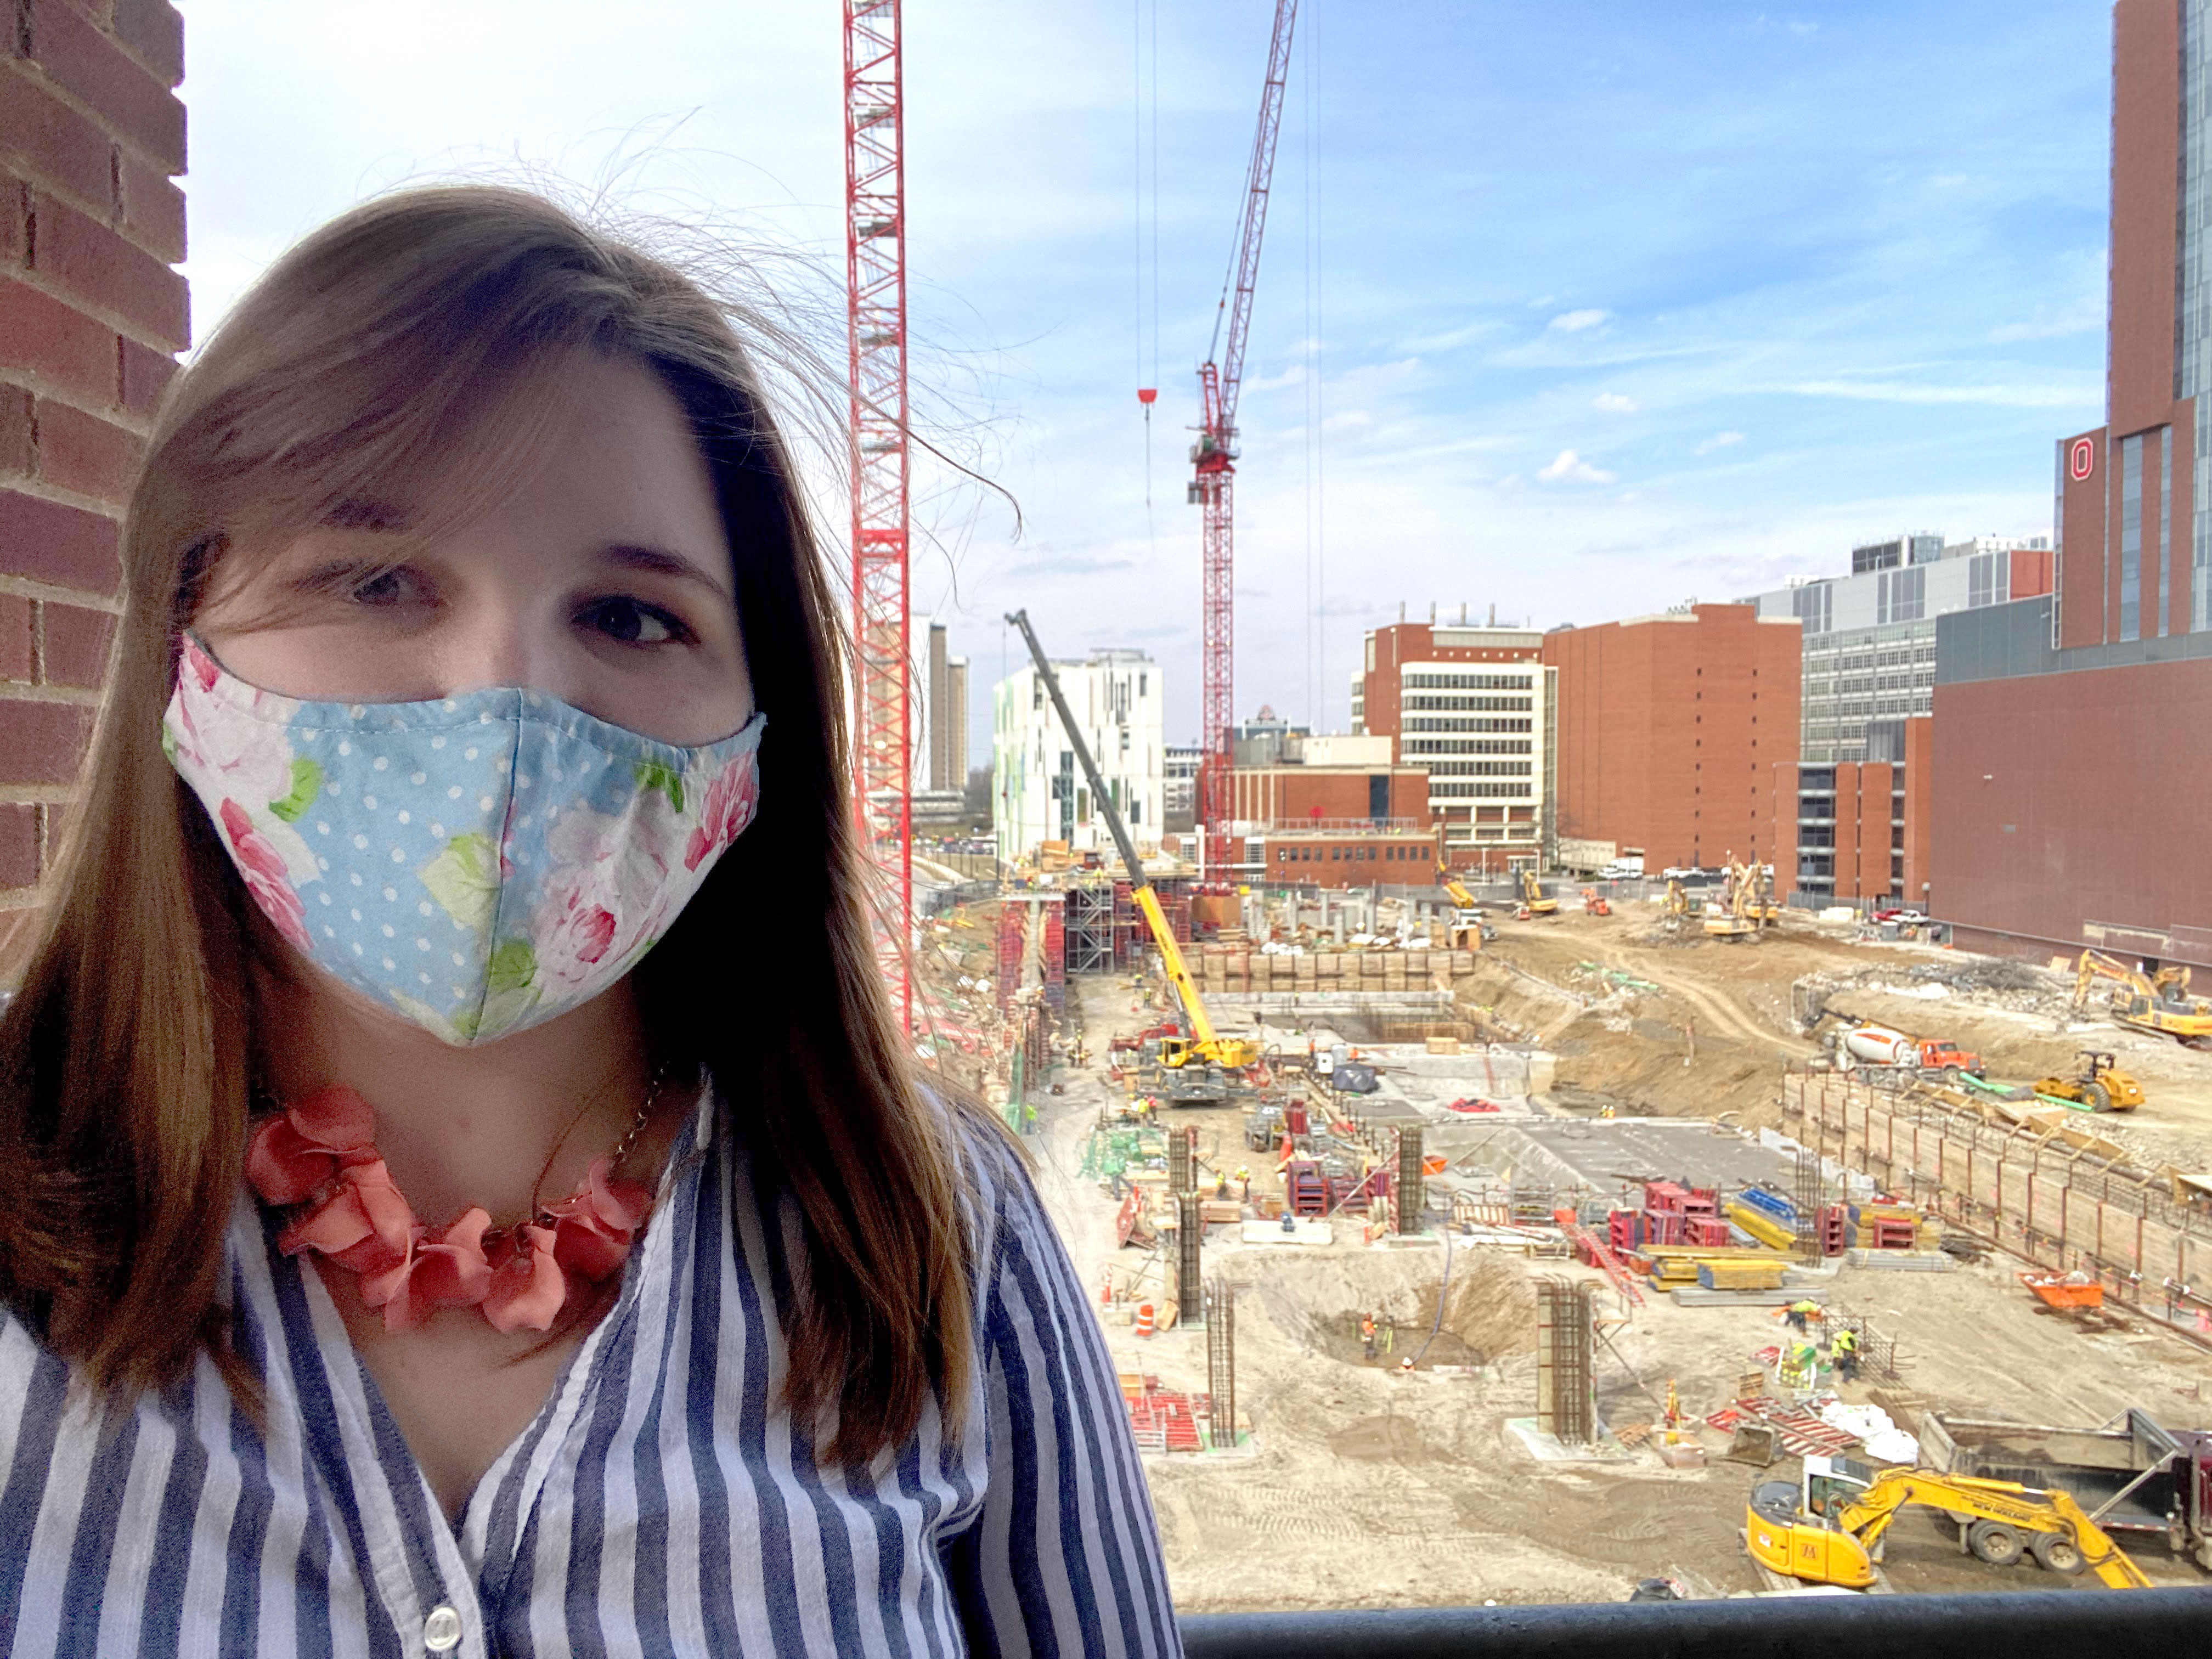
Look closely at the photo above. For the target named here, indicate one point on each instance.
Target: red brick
(42, 334)
(154, 30)
(92, 263)
(153, 209)
(19, 846)
(41, 742)
(83, 452)
(18, 646)
(76, 644)
(16, 444)
(46, 140)
(87, 63)
(50, 542)
(145, 373)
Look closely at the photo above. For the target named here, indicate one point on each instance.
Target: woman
(467, 1194)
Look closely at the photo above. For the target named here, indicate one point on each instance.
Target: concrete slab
(1611, 1154)
(1545, 1448)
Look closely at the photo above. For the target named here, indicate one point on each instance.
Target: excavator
(2158, 1003)
(1533, 901)
(1468, 930)
(1829, 1529)
(1196, 1064)
(1745, 906)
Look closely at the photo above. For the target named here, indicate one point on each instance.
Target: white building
(1870, 636)
(1038, 791)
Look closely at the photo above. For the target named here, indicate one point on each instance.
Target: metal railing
(2163, 1623)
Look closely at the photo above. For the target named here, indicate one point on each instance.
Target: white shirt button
(441, 1630)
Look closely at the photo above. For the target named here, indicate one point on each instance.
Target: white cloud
(1611, 403)
(2054, 394)
(1574, 322)
(1719, 441)
(1571, 468)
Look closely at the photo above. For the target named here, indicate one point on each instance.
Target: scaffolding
(1221, 1364)
(1090, 928)
(1410, 1195)
(1566, 1396)
(1811, 1200)
(1190, 1238)
(1182, 1160)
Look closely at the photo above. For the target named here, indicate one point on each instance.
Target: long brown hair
(370, 353)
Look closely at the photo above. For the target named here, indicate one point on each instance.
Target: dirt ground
(1726, 1009)
(1391, 1488)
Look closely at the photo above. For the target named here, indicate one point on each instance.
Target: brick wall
(92, 313)
(1679, 734)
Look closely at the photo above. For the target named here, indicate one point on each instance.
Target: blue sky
(1601, 307)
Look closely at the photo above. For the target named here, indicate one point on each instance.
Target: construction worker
(1245, 1181)
(1800, 1314)
(1845, 1351)
(1367, 1334)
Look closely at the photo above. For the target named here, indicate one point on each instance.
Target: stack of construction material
(1767, 1216)
(1742, 1275)
(1893, 1226)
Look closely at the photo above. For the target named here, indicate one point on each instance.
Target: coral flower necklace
(319, 1155)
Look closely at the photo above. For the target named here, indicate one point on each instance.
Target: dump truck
(2135, 1477)
(1829, 1528)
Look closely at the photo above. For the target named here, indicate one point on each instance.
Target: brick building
(1678, 734)
(1474, 707)
(1862, 825)
(92, 313)
(2073, 736)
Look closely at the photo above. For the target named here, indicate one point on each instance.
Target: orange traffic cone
(1144, 1319)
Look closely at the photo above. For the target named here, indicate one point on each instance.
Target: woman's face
(605, 579)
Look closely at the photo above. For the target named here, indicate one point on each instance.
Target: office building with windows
(1475, 708)
(1038, 791)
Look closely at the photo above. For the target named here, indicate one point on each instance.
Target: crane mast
(875, 270)
(1213, 457)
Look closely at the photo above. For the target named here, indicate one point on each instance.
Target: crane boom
(1213, 457)
(1205, 1039)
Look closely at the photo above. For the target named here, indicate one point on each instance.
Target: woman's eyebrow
(633, 555)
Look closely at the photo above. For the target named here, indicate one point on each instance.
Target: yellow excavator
(2158, 1003)
(1745, 905)
(1533, 901)
(1829, 1528)
(1205, 1049)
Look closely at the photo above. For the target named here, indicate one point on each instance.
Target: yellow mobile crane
(2158, 1003)
(1204, 1046)
(1467, 928)
(1829, 1530)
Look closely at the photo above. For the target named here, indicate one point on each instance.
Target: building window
(2131, 538)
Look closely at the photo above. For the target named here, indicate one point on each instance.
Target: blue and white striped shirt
(658, 1504)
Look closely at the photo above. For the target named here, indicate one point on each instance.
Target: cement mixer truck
(1858, 1044)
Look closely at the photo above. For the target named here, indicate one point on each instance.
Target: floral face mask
(479, 863)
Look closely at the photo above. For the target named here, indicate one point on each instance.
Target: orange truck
(1880, 1046)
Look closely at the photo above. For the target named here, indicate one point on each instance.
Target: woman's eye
(633, 622)
(398, 586)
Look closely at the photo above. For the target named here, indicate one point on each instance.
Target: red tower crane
(1214, 454)
(875, 269)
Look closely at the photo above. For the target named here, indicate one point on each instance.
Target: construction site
(1585, 1255)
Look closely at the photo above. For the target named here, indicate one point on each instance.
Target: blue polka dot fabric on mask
(478, 863)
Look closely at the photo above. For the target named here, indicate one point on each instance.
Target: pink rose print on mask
(266, 877)
(731, 800)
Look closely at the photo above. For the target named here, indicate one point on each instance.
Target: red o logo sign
(2081, 458)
